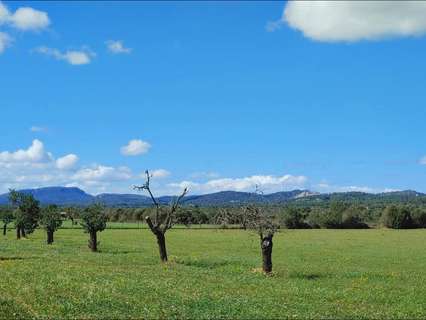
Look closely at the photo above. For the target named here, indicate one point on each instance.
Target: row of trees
(27, 214)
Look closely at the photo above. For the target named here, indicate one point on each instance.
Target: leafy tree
(93, 219)
(397, 217)
(7, 217)
(419, 217)
(164, 216)
(27, 212)
(51, 221)
(294, 218)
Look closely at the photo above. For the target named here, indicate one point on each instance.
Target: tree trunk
(161, 240)
(18, 233)
(266, 245)
(49, 236)
(93, 241)
(23, 232)
(4, 229)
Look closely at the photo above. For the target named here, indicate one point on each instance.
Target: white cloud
(5, 41)
(158, 173)
(203, 174)
(30, 19)
(67, 162)
(117, 47)
(102, 173)
(422, 161)
(266, 183)
(4, 13)
(356, 20)
(73, 57)
(135, 147)
(35, 153)
(24, 18)
(38, 129)
(327, 188)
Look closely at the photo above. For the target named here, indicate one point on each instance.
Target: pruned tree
(6, 217)
(163, 218)
(27, 212)
(51, 220)
(255, 219)
(265, 228)
(93, 219)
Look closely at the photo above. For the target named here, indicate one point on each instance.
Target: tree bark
(49, 236)
(161, 240)
(93, 241)
(266, 245)
(23, 232)
(18, 233)
(4, 229)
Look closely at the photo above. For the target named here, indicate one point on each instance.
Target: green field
(317, 274)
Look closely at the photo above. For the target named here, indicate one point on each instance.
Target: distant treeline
(334, 215)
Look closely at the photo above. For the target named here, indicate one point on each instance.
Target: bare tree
(163, 218)
(266, 228)
(254, 217)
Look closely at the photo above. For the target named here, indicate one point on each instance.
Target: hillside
(74, 196)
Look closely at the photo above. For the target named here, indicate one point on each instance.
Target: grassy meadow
(213, 274)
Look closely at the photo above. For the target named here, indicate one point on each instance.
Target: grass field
(317, 274)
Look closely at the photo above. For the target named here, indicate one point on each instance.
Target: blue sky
(213, 95)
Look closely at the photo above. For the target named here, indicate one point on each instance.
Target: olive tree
(6, 217)
(27, 211)
(261, 223)
(255, 219)
(93, 219)
(164, 216)
(51, 221)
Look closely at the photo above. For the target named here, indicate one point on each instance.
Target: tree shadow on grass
(16, 258)
(310, 276)
(202, 263)
(120, 252)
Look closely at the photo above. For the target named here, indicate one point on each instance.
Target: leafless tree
(163, 218)
(265, 228)
(253, 217)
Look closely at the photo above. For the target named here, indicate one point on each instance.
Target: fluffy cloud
(422, 161)
(327, 188)
(266, 183)
(117, 47)
(135, 147)
(24, 18)
(30, 19)
(35, 153)
(356, 20)
(158, 173)
(102, 173)
(67, 162)
(73, 57)
(5, 41)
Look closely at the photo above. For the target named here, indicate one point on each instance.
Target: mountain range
(65, 196)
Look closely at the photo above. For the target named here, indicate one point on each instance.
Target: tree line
(27, 215)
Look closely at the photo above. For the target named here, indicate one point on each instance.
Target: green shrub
(397, 218)
(294, 218)
(419, 217)
(351, 219)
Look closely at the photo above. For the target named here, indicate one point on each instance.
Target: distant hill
(61, 196)
(74, 196)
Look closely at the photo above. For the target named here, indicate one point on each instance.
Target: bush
(419, 217)
(294, 219)
(351, 219)
(397, 218)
